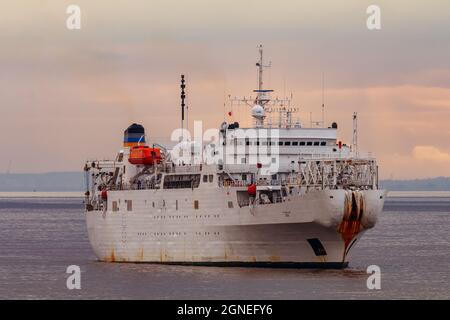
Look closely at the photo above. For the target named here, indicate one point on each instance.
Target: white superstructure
(274, 194)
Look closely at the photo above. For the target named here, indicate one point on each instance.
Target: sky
(67, 95)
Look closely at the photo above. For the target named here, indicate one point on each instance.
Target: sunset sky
(67, 95)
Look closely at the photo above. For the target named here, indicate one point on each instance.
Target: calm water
(40, 237)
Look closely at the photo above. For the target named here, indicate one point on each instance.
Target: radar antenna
(263, 104)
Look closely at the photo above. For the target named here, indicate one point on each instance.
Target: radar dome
(258, 112)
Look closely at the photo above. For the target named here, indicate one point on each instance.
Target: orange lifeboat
(145, 155)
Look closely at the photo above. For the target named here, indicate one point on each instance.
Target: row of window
(302, 143)
(282, 143)
(186, 217)
(206, 233)
(157, 234)
(171, 217)
(129, 203)
(181, 181)
(207, 216)
(161, 233)
(185, 181)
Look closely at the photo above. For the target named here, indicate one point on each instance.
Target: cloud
(70, 94)
(430, 153)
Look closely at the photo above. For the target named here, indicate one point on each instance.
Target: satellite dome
(258, 112)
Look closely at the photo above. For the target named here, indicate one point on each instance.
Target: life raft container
(252, 190)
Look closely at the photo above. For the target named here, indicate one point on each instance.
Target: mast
(260, 68)
(262, 96)
(183, 96)
(323, 99)
(355, 135)
(263, 103)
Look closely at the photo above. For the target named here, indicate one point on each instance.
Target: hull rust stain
(350, 225)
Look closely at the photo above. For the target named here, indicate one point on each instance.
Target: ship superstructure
(276, 194)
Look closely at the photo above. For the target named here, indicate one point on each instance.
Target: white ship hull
(167, 227)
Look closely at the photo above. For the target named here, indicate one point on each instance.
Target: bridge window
(295, 143)
(316, 143)
(309, 143)
(302, 143)
(287, 143)
(323, 143)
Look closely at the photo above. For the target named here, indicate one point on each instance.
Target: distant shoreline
(75, 181)
(78, 194)
(419, 194)
(44, 194)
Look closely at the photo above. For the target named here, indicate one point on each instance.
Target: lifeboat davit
(145, 155)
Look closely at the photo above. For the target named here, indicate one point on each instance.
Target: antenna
(183, 96)
(262, 95)
(260, 68)
(323, 99)
(187, 114)
(224, 100)
(355, 134)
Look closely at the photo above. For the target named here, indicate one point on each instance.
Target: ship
(273, 194)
